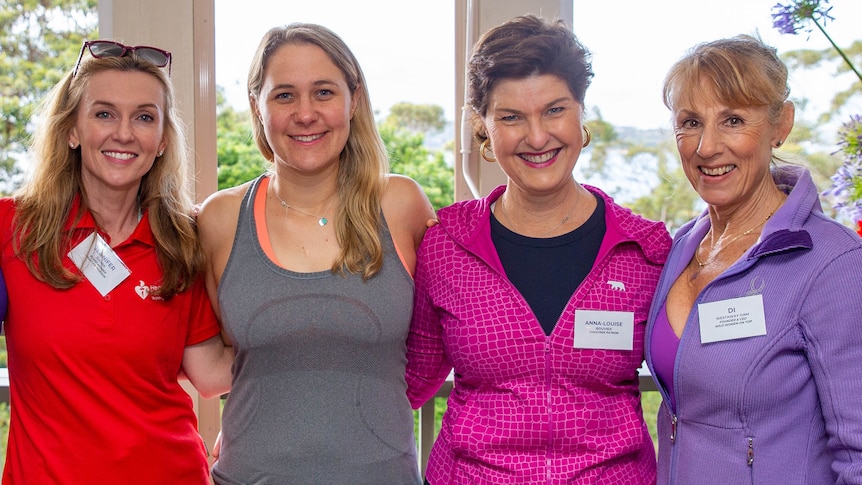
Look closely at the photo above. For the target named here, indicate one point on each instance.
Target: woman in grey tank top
(308, 282)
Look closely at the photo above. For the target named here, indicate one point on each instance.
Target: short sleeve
(203, 323)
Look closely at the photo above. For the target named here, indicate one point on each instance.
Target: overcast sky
(406, 47)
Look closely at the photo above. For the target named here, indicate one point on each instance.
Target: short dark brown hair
(520, 48)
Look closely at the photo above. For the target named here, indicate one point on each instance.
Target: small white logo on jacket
(617, 285)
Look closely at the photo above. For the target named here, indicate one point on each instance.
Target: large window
(405, 48)
(407, 51)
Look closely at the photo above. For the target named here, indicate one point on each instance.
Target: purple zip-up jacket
(785, 407)
(529, 408)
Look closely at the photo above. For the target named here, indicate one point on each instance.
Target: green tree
(604, 138)
(817, 59)
(409, 156)
(239, 160)
(39, 42)
(422, 118)
(649, 158)
(805, 146)
(403, 132)
(673, 200)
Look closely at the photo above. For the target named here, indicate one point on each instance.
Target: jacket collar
(784, 230)
(468, 223)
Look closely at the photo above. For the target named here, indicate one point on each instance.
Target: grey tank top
(319, 394)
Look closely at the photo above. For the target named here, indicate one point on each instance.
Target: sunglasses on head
(101, 49)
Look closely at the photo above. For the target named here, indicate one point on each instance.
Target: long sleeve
(427, 362)
(832, 327)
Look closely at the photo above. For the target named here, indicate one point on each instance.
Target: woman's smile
(540, 158)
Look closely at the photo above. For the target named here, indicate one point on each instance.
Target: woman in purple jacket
(537, 294)
(754, 336)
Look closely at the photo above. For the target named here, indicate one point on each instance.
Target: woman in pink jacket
(537, 295)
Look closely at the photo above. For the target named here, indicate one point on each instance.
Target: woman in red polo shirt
(106, 302)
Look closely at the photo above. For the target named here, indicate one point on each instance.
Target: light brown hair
(44, 202)
(740, 72)
(363, 163)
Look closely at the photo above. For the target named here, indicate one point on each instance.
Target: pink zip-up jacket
(529, 408)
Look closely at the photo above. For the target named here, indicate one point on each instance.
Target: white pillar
(186, 28)
(473, 176)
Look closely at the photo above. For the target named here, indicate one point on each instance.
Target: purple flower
(791, 18)
(784, 20)
(851, 137)
(846, 188)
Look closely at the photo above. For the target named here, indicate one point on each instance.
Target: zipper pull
(750, 451)
(673, 420)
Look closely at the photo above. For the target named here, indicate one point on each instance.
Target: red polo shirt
(93, 379)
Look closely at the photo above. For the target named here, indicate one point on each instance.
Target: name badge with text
(99, 263)
(732, 319)
(596, 329)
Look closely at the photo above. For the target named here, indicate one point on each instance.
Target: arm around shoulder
(208, 366)
(217, 217)
(217, 221)
(407, 210)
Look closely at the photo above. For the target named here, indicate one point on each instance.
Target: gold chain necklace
(563, 221)
(736, 238)
(321, 220)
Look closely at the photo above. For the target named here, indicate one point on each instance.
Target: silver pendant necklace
(321, 220)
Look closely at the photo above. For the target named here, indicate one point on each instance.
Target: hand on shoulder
(407, 211)
(406, 207)
(217, 222)
(218, 213)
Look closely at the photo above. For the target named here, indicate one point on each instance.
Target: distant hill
(651, 137)
(637, 136)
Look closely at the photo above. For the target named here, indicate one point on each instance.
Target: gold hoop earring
(484, 149)
(588, 137)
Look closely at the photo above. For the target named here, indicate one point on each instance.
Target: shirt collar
(86, 223)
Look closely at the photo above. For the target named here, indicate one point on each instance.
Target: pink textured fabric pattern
(526, 407)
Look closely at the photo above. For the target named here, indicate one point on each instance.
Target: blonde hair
(363, 163)
(44, 203)
(740, 71)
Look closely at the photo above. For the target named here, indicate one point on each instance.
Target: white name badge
(99, 263)
(595, 329)
(732, 319)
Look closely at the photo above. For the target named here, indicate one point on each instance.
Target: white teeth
(540, 158)
(307, 138)
(718, 170)
(121, 156)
